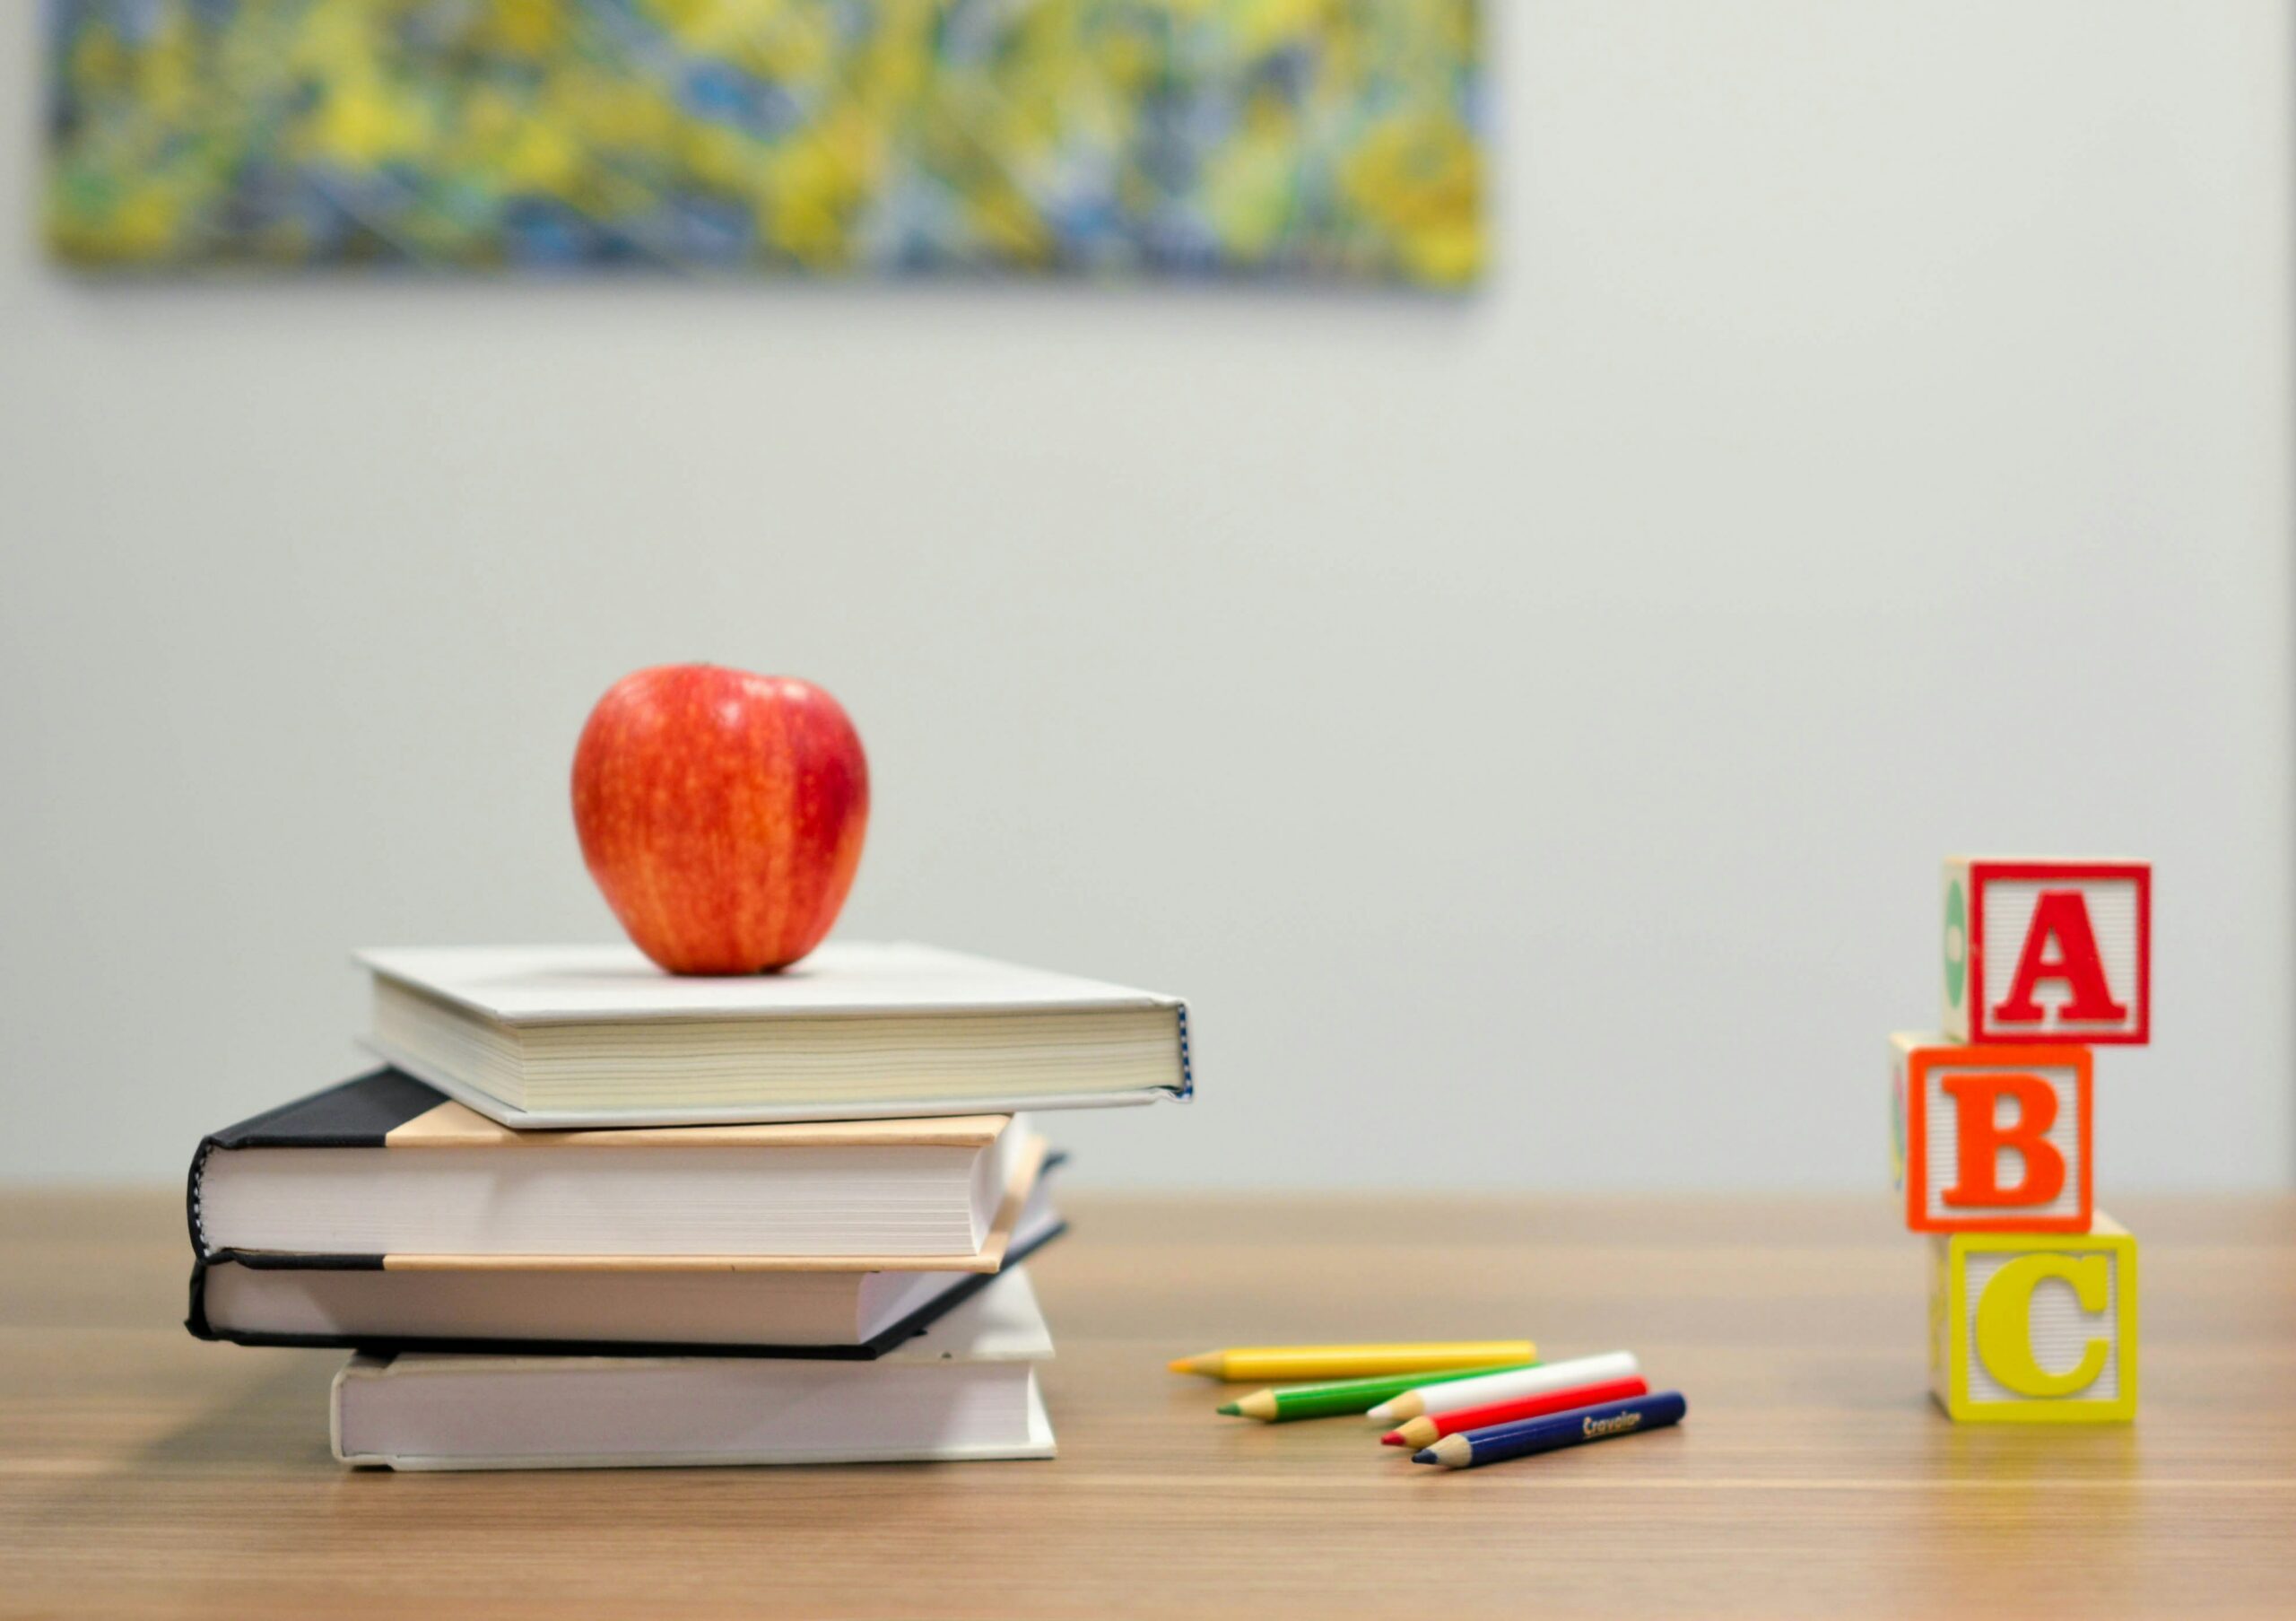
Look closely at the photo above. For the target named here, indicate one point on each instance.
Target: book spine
(191, 1210)
(195, 1311)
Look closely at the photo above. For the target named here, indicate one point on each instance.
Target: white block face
(1941, 1142)
(2050, 957)
(1955, 1019)
(2058, 1330)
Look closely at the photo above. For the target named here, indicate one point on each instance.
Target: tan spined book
(385, 1167)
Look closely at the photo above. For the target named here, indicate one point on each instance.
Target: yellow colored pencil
(1268, 1363)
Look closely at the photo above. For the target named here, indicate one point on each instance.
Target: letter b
(1997, 1139)
(1977, 1096)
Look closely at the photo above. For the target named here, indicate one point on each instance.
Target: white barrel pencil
(1452, 1395)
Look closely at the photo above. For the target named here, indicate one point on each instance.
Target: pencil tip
(1425, 1455)
(1230, 1408)
(1185, 1364)
(1392, 1438)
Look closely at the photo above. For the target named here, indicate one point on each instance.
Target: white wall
(1527, 728)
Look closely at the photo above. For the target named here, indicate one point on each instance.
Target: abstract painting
(1265, 139)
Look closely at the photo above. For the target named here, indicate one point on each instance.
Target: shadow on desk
(278, 1417)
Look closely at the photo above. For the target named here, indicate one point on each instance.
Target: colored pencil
(1500, 1387)
(1497, 1444)
(1421, 1431)
(1346, 1396)
(1268, 1363)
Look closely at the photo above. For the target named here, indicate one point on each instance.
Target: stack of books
(594, 1214)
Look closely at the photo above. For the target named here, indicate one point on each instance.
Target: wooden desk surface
(142, 1473)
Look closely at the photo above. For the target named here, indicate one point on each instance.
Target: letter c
(2005, 1340)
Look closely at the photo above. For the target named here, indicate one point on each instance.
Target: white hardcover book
(965, 1389)
(583, 1036)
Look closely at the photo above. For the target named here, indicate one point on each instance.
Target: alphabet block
(1993, 1139)
(2034, 1328)
(2049, 951)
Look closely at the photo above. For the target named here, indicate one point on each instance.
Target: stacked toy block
(2032, 1290)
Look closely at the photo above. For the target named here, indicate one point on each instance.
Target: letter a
(2060, 916)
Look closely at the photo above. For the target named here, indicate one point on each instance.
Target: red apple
(721, 813)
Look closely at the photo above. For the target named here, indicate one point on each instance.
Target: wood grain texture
(144, 1474)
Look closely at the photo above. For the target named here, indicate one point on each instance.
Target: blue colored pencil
(1524, 1436)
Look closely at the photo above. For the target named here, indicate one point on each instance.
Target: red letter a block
(2049, 951)
(1996, 1139)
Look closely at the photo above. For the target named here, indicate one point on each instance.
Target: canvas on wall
(1325, 139)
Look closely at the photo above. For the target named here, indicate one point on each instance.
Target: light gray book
(964, 1389)
(553, 1036)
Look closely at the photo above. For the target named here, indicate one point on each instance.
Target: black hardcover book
(576, 1243)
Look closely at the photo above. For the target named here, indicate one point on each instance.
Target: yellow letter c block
(2010, 1345)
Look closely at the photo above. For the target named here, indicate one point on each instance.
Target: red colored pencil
(1426, 1430)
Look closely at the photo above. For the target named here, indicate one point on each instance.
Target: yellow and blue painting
(1322, 139)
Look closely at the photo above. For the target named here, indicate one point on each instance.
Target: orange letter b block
(1996, 1139)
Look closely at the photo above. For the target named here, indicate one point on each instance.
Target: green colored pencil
(1345, 1395)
